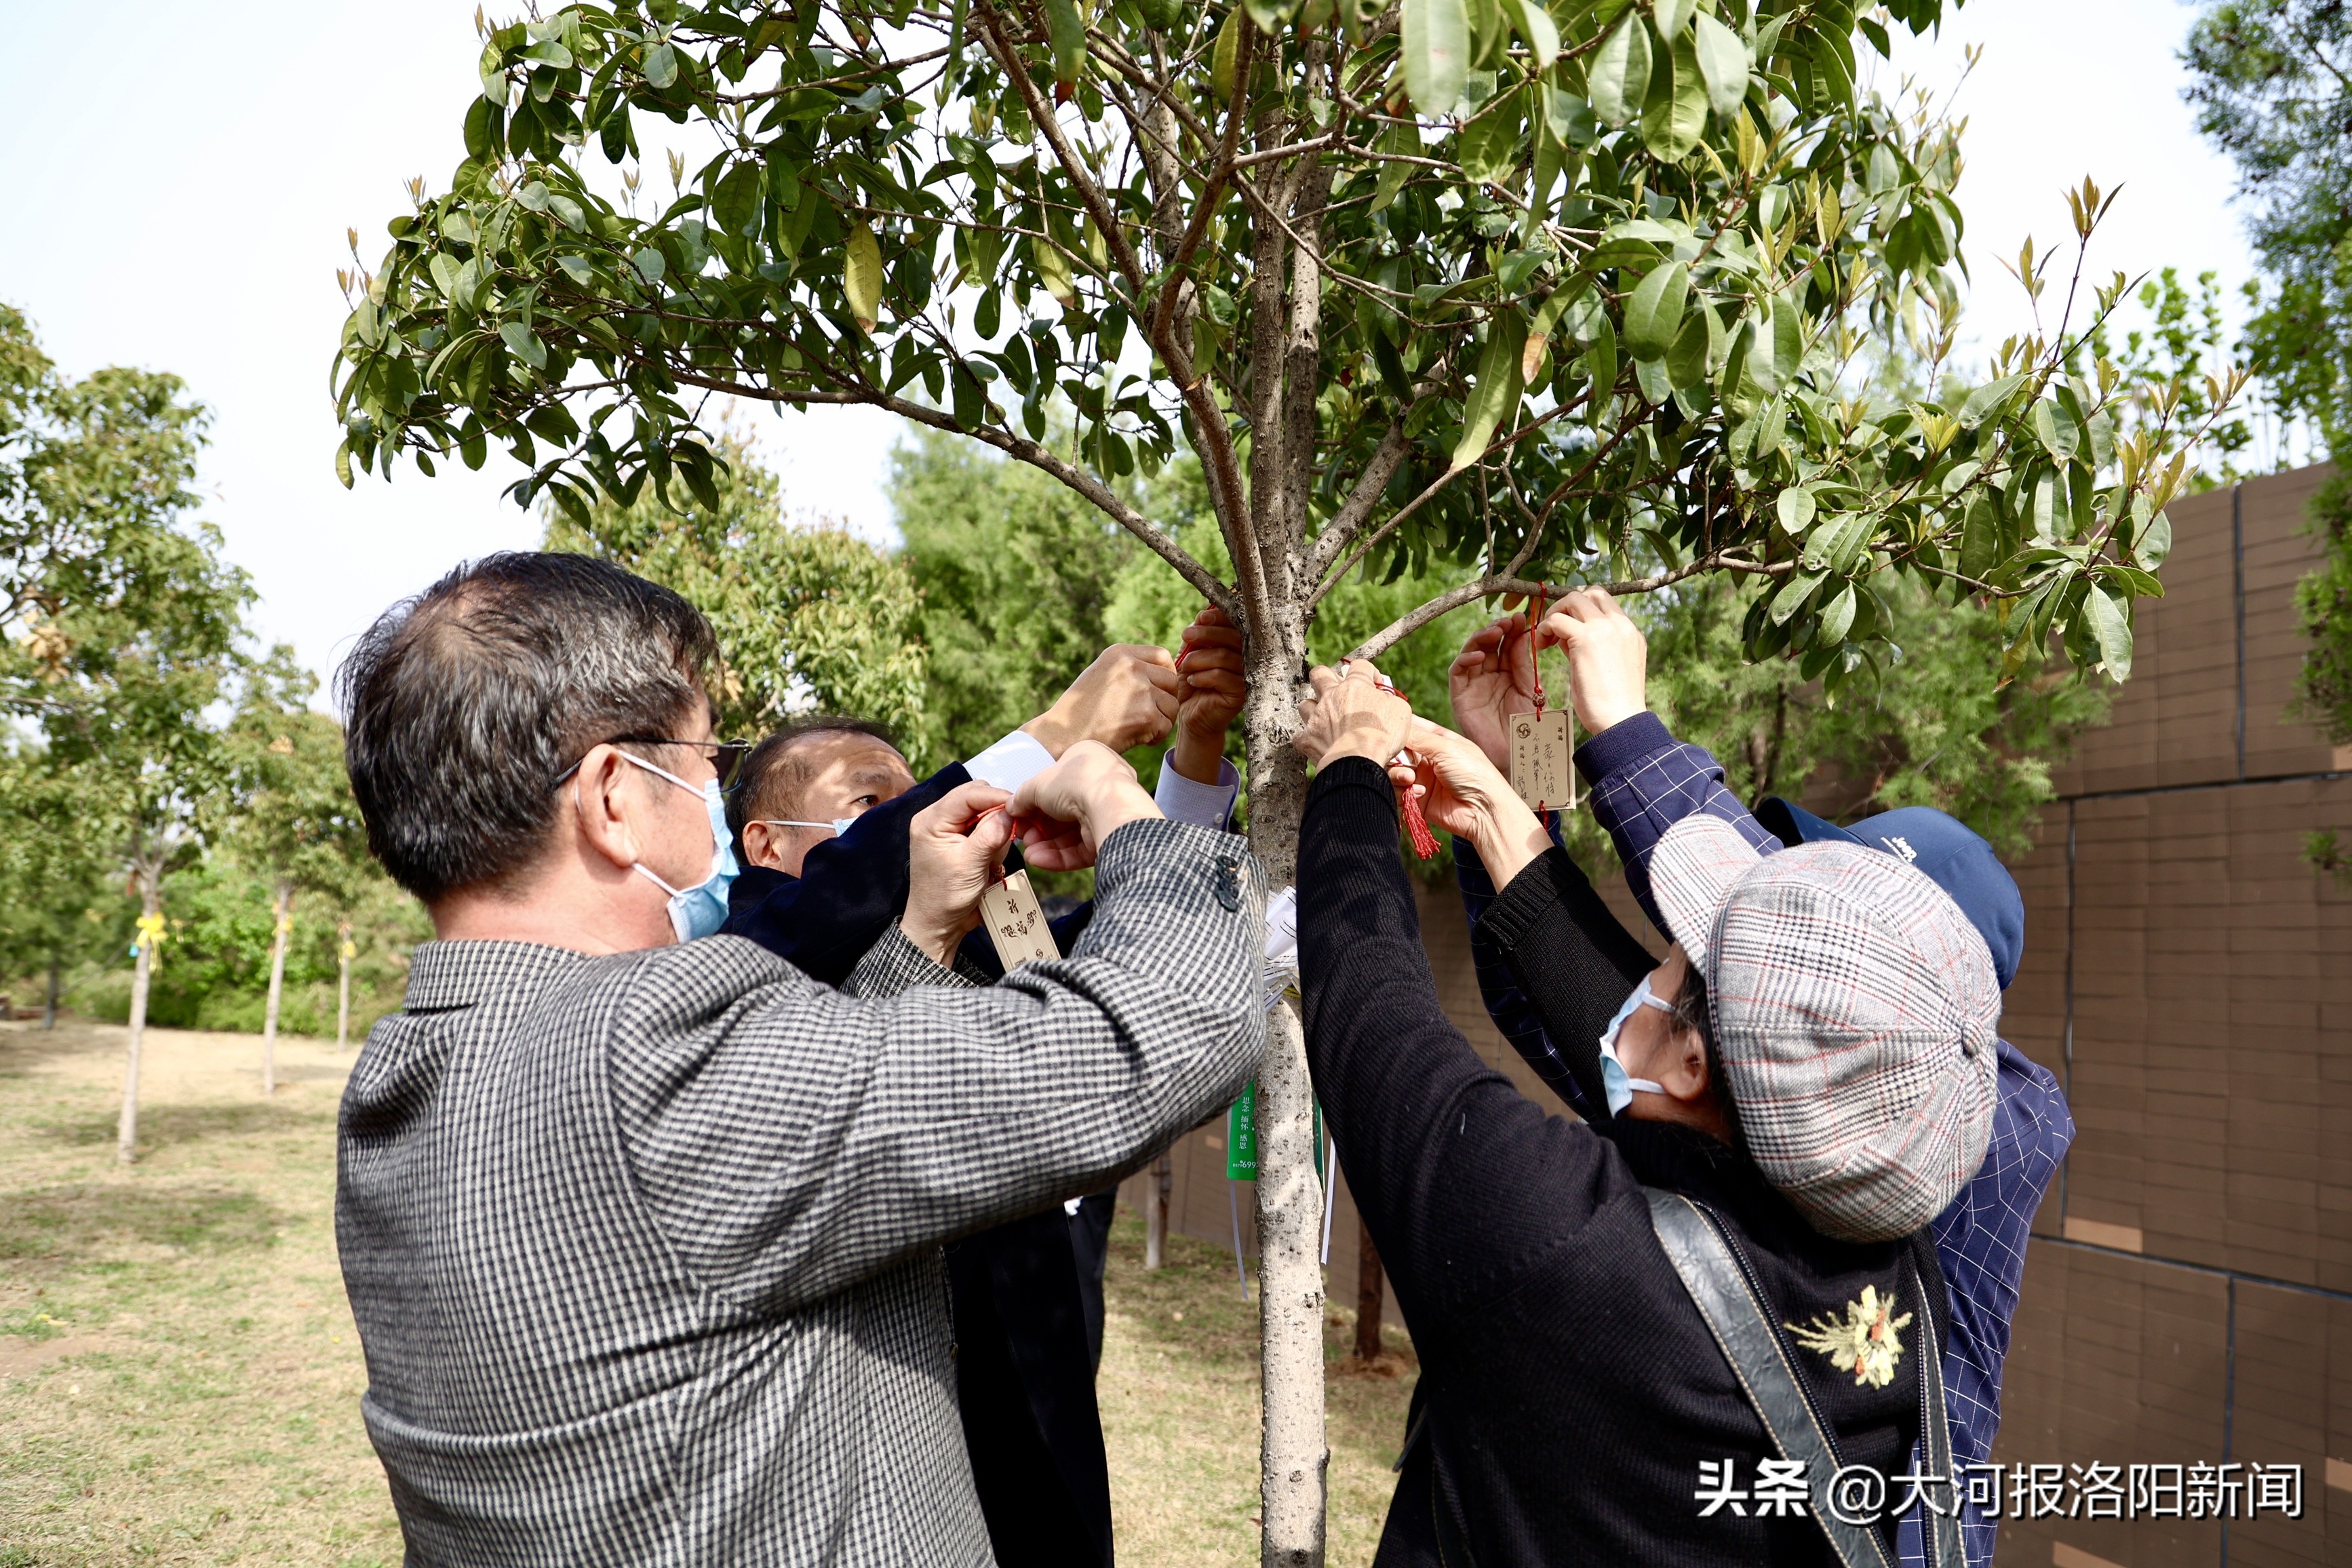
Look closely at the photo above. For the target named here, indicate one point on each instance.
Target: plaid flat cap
(1855, 1008)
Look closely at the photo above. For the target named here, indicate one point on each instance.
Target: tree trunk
(1156, 1188)
(1367, 1294)
(1289, 1194)
(126, 1131)
(276, 987)
(343, 988)
(49, 1007)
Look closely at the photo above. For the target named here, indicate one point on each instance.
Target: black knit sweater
(1570, 1389)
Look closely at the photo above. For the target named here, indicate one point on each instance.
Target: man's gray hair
(464, 705)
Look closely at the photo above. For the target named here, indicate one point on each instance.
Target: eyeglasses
(726, 757)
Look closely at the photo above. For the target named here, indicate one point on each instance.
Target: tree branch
(1015, 446)
(1349, 520)
(1404, 626)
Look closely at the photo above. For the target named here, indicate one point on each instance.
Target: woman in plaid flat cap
(1812, 1068)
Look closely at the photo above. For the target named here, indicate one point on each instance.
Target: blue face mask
(1615, 1081)
(701, 909)
(837, 826)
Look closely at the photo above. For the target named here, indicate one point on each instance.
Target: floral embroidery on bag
(1865, 1344)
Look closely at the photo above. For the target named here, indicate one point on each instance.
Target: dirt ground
(180, 1379)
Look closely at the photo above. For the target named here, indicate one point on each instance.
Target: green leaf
(1536, 28)
(862, 277)
(1654, 313)
(1980, 539)
(1673, 114)
(1225, 60)
(1673, 15)
(2111, 625)
(446, 271)
(1496, 396)
(1983, 402)
(1436, 46)
(1687, 359)
(1400, 141)
(2056, 429)
(567, 212)
(343, 462)
(1052, 271)
(2154, 542)
(660, 66)
(1620, 75)
(1837, 619)
(1796, 507)
(735, 200)
(1788, 339)
(523, 345)
(649, 265)
(1601, 365)
(2043, 504)
(1068, 35)
(1797, 588)
(1488, 147)
(1723, 64)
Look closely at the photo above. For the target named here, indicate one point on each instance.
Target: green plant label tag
(1241, 1136)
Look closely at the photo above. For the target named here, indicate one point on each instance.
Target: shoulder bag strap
(1750, 1344)
(1945, 1547)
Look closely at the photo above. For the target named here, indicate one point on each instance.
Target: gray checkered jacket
(645, 1249)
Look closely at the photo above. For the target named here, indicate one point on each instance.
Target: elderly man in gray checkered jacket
(642, 1233)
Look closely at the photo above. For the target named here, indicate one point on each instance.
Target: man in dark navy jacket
(821, 813)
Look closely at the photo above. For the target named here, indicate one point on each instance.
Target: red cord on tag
(1536, 607)
(1535, 661)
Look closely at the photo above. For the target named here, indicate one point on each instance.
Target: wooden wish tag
(1543, 767)
(1009, 910)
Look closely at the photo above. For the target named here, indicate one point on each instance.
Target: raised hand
(1357, 714)
(1491, 678)
(954, 847)
(1608, 657)
(1464, 793)
(1126, 697)
(1065, 813)
(1211, 694)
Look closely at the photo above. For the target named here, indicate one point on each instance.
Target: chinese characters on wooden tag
(1543, 768)
(1009, 910)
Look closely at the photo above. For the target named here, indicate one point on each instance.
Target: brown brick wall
(2191, 977)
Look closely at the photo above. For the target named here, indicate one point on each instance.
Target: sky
(181, 178)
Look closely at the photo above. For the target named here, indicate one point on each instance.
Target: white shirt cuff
(1011, 762)
(1188, 800)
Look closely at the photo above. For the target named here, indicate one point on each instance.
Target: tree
(1016, 575)
(291, 810)
(806, 617)
(55, 867)
(94, 476)
(138, 621)
(2271, 82)
(1513, 295)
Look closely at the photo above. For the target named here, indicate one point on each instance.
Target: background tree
(60, 879)
(1016, 575)
(131, 619)
(808, 618)
(2271, 82)
(291, 812)
(1508, 293)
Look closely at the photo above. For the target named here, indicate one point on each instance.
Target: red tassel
(1416, 823)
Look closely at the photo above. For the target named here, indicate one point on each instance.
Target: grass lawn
(180, 1381)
